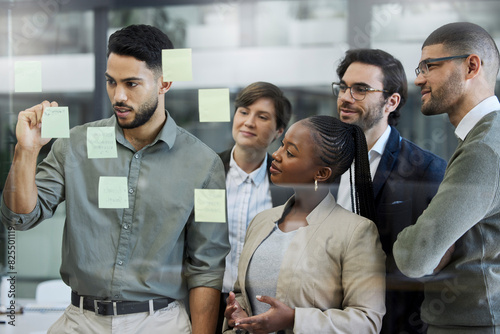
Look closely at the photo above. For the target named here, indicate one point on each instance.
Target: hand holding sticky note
(214, 105)
(177, 65)
(55, 122)
(210, 205)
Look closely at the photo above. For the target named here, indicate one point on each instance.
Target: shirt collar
(319, 213)
(379, 146)
(239, 175)
(167, 134)
(472, 117)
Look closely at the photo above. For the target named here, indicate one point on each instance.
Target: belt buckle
(97, 302)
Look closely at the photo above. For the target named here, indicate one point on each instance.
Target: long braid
(362, 178)
(339, 144)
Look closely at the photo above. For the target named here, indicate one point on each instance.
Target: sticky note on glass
(55, 122)
(177, 65)
(113, 192)
(210, 205)
(101, 142)
(214, 105)
(27, 76)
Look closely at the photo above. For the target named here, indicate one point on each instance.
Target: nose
(419, 80)
(276, 154)
(119, 94)
(250, 121)
(346, 96)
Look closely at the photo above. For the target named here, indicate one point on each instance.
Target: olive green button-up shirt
(151, 249)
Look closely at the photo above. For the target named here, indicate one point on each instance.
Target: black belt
(110, 307)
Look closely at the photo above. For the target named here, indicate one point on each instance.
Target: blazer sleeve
(469, 192)
(363, 284)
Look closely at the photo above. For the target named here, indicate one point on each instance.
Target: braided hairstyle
(338, 145)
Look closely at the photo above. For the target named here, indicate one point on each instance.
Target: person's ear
(279, 133)
(392, 102)
(473, 66)
(164, 86)
(323, 174)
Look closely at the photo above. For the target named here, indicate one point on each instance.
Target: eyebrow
(356, 83)
(258, 111)
(292, 144)
(125, 79)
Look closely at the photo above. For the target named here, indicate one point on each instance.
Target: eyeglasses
(422, 66)
(358, 91)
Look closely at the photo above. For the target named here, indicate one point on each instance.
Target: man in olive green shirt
(137, 261)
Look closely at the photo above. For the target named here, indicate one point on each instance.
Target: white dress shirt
(470, 120)
(374, 156)
(247, 195)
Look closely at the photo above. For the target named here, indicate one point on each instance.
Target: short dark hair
(338, 145)
(142, 42)
(251, 93)
(468, 38)
(394, 80)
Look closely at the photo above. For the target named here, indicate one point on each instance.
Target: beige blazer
(333, 272)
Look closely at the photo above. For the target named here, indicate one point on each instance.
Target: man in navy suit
(371, 91)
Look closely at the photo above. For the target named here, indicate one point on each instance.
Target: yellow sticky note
(210, 205)
(101, 142)
(177, 65)
(27, 76)
(113, 192)
(55, 122)
(214, 105)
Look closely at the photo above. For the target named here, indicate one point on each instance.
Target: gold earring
(315, 185)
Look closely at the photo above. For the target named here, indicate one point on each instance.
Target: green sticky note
(210, 205)
(27, 76)
(101, 142)
(214, 105)
(177, 65)
(55, 122)
(113, 192)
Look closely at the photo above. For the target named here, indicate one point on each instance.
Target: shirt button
(120, 263)
(125, 226)
(131, 190)
(117, 296)
(137, 156)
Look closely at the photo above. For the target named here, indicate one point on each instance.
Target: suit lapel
(301, 242)
(226, 157)
(387, 161)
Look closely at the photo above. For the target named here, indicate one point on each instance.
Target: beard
(373, 114)
(443, 98)
(142, 116)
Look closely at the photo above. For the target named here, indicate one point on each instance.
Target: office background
(295, 44)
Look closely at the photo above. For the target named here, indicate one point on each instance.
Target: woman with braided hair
(310, 266)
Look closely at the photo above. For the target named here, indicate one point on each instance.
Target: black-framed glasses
(422, 66)
(358, 91)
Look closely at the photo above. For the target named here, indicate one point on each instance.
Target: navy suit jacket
(279, 195)
(406, 180)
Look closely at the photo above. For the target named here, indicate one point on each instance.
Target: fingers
(230, 309)
(231, 298)
(250, 324)
(266, 299)
(34, 114)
